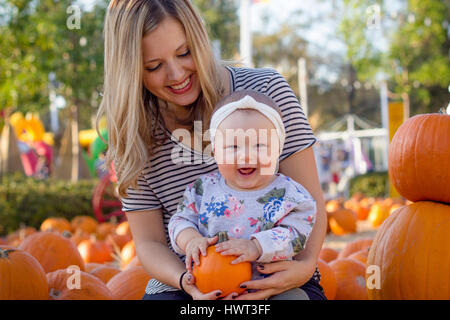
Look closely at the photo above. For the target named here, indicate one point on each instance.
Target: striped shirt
(173, 165)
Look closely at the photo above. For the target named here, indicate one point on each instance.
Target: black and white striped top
(173, 165)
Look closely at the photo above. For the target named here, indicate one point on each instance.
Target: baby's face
(246, 150)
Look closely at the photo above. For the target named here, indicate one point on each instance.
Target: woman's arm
(147, 228)
(301, 167)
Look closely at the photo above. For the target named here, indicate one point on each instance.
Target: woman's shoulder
(239, 72)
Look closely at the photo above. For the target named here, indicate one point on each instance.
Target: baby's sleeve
(185, 217)
(289, 234)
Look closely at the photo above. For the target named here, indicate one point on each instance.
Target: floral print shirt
(280, 216)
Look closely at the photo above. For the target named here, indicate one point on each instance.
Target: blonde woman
(161, 85)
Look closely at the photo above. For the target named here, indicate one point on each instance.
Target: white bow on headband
(247, 103)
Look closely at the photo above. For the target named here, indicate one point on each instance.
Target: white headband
(247, 103)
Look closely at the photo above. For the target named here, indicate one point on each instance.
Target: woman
(161, 82)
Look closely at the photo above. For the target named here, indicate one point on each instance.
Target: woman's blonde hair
(132, 112)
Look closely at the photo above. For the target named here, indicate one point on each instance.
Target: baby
(268, 216)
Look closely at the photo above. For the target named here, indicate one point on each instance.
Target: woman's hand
(188, 282)
(195, 247)
(284, 275)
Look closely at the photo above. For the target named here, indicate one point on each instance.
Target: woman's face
(169, 69)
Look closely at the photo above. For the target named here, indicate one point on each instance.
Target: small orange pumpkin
(84, 223)
(354, 246)
(104, 272)
(21, 276)
(88, 287)
(328, 254)
(216, 272)
(327, 279)
(360, 255)
(350, 276)
(343, 222)
(378, 213)
(56, 224)
(129, 284)
(93, 250)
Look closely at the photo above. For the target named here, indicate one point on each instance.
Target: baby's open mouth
(246, 171)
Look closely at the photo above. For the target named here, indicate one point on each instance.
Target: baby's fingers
(241, 258)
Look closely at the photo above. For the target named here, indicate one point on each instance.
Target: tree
(222, 23)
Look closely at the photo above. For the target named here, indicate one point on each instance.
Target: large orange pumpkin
(418, 159)
(216, 272)
(90, 287)
(129, 284)
(21, 276)
(327, 279)
(52, 250)
(350, 276)
(343, 221)
(411, 249)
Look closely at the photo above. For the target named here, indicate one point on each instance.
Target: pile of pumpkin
(410, 254)
(343, 215)
(71, 260)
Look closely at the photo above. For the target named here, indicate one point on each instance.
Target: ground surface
(364, 230)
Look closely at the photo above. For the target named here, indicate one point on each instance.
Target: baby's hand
(195, 246)
(246, 250)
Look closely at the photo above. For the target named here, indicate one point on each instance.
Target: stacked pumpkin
(343, 272)
(411, 247)
(76, 260)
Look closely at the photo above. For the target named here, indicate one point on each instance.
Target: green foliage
(374, 184)
(28, 201)
(222, 23)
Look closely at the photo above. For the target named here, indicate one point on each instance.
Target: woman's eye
(153, 68)
(185, 54)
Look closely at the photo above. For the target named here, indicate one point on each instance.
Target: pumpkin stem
(54, 293)
(5, 253)
(66, 234)
(223, 236)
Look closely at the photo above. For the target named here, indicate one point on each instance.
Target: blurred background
(359, 68)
